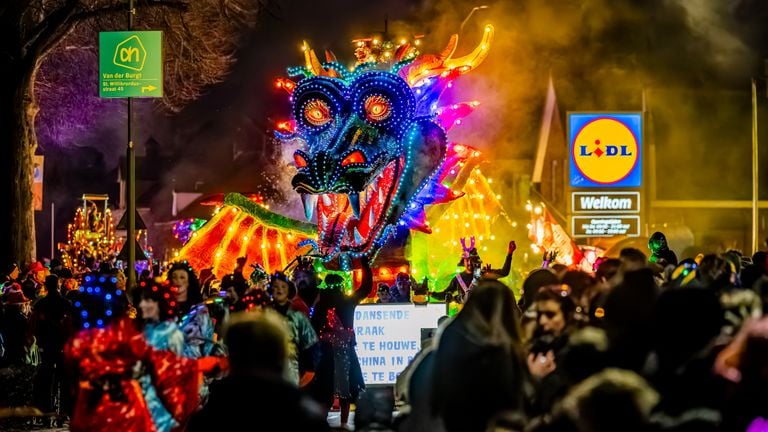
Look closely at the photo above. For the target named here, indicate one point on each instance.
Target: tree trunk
(17, 233)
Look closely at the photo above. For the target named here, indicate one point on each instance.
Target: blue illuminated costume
(164, 336)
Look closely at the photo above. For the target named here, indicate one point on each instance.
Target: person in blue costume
(158, 312)
(195, 320)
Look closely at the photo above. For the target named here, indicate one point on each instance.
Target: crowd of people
(642, 343)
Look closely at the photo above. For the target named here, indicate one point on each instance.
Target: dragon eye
(317, 112)
(377, 108)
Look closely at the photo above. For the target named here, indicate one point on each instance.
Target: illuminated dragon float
(372, 147)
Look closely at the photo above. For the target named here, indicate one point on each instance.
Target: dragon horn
(472, 242)
(463, 243)
(312, 62)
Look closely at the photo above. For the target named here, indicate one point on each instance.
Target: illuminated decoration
(90, 236)
(479, 214)
(372, 50)
(184, 228)
(243, 228)
(547, 235)
(374, 150)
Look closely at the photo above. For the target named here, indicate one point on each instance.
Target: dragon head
(373, 142)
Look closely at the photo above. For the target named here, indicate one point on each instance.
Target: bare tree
(200, 37)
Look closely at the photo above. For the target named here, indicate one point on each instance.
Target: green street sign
(131, 64)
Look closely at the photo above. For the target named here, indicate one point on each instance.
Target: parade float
(375, 171)
(90, 236)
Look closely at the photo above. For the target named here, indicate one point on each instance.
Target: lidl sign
(131, 64)
(605, 149)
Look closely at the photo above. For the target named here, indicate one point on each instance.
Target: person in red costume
(105, 357)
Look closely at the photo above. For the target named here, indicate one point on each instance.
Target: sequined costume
(197, 327)
(109, 363)
(165, 336)
(338, 374)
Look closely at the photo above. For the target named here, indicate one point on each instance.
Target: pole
(474, 9)
(131, 183)
(755, 245)
(53, 218)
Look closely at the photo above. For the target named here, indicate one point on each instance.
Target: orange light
(355, 157)
(300, 161)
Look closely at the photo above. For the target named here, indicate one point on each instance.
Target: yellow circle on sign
(605, 150)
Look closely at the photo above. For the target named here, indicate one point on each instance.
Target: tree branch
(49, 25)
(60, 22)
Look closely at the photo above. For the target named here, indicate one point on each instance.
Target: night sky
(601, 53)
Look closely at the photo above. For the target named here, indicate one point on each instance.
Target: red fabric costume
(109, 396)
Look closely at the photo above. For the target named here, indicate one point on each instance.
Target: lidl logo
(605, 149)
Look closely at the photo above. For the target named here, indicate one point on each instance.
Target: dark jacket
(474, 380)
(251, 401)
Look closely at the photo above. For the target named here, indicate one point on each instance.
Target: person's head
(632, 259)
(257, 342)
(491, 313)
(470, 260)
(121, 279)
(158, 302)
(281, 288)
(12, 270)
(715, 272)
(403, 282)
(184, 278)
(760, 259)
(383, 292)
(607, 269)
(657, 242)
(579, 282)
(14, 298)
(38, 272)
(535, 280)
(609, 401)
(52, 285)
(554, 308)
(68, 285)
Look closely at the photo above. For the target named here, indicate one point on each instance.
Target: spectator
(632, 259)
(480, 354)
(259, 345)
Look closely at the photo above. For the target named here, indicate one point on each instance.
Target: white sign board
(389, 336)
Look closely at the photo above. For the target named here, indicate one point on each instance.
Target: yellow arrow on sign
(148, 88)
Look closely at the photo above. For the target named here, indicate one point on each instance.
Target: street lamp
(474, 9)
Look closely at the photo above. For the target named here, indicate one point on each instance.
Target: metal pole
(131, 183)
(53, 218)
(474, 9)
(755, 245)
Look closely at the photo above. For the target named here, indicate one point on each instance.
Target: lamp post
(469, 15)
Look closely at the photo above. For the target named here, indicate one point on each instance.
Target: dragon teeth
(358, 237)
(310, 202)
(371, 218)
(354, 202)
(327, 200)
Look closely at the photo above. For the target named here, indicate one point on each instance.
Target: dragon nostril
(300, 161)
(356, 157)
